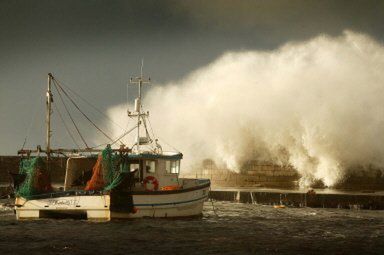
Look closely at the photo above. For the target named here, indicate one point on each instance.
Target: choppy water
(237, 229)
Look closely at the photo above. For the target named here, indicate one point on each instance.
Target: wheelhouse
(147, 171)
(164, 168)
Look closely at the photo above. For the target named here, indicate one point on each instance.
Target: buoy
(151, 180)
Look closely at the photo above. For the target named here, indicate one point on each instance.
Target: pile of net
(108, 172)
(37, 180)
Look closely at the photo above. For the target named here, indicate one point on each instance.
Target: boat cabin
(146, 171)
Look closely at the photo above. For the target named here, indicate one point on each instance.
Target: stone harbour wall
(263, 175)
(11, 164)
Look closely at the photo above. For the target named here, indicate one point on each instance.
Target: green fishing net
(113, 168)
(108, 176)
(36, 176)
(108, 172)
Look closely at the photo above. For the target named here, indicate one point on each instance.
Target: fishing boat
(115, 182)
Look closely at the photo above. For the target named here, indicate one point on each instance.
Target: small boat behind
(110, 183)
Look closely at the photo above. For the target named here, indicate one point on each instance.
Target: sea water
(232, 228)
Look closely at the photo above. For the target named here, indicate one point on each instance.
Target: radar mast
(141, 115)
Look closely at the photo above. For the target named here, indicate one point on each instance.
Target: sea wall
(344, 200)
(267, 176)
(252, 173)
(261, 174)
(11, 164)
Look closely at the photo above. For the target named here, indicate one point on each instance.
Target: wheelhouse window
(172, 166)
(134, 167)
(150, 166)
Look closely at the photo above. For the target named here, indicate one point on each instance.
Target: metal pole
(139, 81)
(139, 106)
(138, 117)
(48, 117)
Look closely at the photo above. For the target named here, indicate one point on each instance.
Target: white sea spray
(317, 105)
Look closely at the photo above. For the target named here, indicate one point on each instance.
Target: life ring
(151, 180)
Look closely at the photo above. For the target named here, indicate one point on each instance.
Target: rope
(169, 144)
(126, 126)
(70, 116)
(77, 107)
(145, 127)
(150, 126)
(103, 144)
(66, 127)
(124, 134)
(89, 103)
(155, 148)
(153, 133)
(117, 139)
(30, 126)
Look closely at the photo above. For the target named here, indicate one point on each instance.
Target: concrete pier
(302, 198)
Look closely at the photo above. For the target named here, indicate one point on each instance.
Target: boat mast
(48, 117)
(140, 115)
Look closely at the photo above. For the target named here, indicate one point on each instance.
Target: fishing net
(97, 181)
(119, 176)
(106, 173)
(37, 180)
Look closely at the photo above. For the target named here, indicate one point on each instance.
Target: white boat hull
(186, 203)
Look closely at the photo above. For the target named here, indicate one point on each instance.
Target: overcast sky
(95, 46)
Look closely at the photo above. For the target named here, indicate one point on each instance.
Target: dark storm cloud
(95, 46)
(288, 19)
(242, 23)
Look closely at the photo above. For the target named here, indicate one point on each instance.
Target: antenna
(141, 69)
(127, 99)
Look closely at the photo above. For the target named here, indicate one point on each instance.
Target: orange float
(170, 187)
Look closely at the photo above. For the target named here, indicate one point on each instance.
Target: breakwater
(301, 198)
(267, 175)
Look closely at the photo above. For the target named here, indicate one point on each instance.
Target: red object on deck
(97, 180)
(151, 180)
